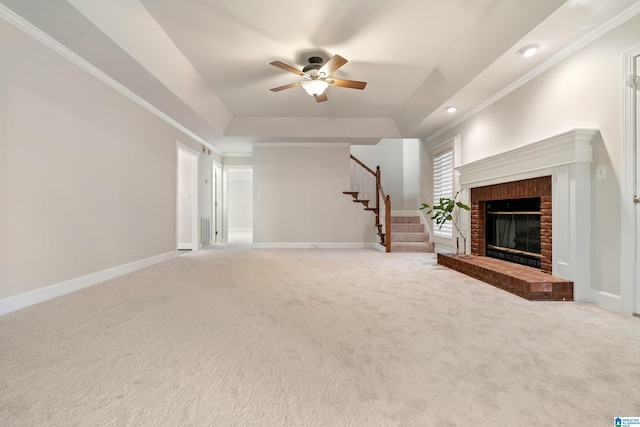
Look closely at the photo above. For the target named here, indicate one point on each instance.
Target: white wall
(83, 172)
(411, 173)
(388, 154)
(299, 188)
(583, 91)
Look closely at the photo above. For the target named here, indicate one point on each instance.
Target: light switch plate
(601, 172)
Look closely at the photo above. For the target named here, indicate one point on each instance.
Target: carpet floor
(234, 336)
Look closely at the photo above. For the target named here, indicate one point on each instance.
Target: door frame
(630, 189)
(195, 159)
(216, 201)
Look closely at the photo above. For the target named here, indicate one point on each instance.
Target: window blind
(443, 187)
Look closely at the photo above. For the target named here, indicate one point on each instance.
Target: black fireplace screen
(513, 230)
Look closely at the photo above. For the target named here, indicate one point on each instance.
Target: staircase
(376, 211)
(408, 235)
(398, 233)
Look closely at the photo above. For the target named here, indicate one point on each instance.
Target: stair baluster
(365, 183)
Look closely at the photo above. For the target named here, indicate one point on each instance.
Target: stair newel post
(378, 187)
(387, 224)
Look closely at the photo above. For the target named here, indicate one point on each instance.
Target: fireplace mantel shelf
(567, 148)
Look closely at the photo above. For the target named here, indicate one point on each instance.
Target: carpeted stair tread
(405, 220)
(407, 228)
(408, 235)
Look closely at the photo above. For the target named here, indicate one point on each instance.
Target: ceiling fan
(317, 77)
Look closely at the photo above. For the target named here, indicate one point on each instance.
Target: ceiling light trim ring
(529, 50)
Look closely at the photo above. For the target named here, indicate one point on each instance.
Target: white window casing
(443, 187)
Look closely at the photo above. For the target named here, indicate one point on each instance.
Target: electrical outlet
(128, 247)
(311, 233)
(301, 233)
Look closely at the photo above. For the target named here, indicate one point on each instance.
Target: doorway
(187, 199)
(239, 203)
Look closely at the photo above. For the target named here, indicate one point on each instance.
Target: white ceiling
(205, 63)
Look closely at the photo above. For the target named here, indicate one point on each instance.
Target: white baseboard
(26, 299)
(312, 245)
(379, 247)
(605, 300)
(185, 246)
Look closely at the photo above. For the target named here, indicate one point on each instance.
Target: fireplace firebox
(513, 230)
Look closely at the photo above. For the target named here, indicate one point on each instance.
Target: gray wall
(83, 171)
(299, 188)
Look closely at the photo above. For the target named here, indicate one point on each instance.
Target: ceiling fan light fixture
(528, 50)
(315, 87)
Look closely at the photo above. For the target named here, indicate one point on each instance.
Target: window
(443, 187)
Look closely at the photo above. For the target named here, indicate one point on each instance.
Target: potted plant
(443, 212)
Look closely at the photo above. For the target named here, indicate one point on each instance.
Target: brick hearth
(527, 282)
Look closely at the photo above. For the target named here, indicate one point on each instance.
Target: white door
(636, 136)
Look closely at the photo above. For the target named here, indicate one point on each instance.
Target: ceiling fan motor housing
(315, 63)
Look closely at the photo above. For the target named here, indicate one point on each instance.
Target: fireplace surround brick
(536, 187)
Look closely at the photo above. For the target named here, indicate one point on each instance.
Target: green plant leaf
(463, 206)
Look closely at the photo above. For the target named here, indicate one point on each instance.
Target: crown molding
(300, 144)
(37, 34)
(554, 60)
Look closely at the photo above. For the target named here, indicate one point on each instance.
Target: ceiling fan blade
(322, 97)
(288, 68)
(352, 84)
(334, 63)
(289, 86)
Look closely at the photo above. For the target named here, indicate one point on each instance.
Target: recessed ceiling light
(529, 50)
(451, 109)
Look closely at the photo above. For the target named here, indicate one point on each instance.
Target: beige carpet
(234, 336)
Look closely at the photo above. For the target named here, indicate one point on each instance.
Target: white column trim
(628, 209)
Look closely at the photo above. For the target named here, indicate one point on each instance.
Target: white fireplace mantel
(529, 161)
(567, 159)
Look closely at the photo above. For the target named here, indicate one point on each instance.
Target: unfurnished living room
(219, 213)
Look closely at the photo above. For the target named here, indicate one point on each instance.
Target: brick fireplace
(558, 171)
(524, 189)
(536, 284)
